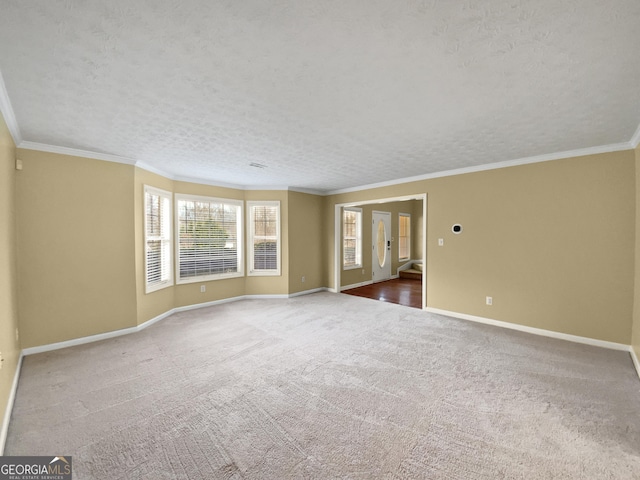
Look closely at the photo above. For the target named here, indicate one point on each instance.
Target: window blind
(209, 238)
(352, 231)
(264, 242)
(157, 238)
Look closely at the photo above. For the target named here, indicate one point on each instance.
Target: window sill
(352, 267)
(159, 286)
(208, 278)
(270, 273)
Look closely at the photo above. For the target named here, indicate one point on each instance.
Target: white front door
(381, 240)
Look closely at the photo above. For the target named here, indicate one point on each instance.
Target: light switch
(441, 241)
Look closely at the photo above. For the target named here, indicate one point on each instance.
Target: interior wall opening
(380, 249)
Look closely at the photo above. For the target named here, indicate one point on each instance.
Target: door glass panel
(381, 243)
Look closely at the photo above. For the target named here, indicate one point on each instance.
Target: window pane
(207, 238)
(351, 238)
(158, 238)
(154, 261)
(404, 236)
(265, 254)
(264, 242)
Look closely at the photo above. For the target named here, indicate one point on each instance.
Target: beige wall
(9, 345)
(76, 247)
(636, 305)
(306, 242)
(551, 242)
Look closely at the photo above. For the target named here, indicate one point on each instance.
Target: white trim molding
(308, 292)
(356, 285)
(9, 115)
(126, 331)
(117, 333)
(634, 358)
(617, 147)
(7, 413)
(635, 140)
(82, 340)
(148, 323)
(7, 111)
(536, 331)
(74, 152)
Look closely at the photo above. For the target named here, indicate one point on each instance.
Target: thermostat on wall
(457, 228)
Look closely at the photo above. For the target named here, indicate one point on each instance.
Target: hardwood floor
(402, 291)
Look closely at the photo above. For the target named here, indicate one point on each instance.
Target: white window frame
(357, 238)
(239, 238)
(252, 271)
(401, 258)
(165, 239)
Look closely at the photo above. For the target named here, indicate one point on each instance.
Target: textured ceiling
(327, 94)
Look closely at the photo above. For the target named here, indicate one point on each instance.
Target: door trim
(335, 275)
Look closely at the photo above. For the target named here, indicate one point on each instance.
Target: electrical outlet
(303, 279)
(203, 288)
(363, 271)
(17, 335)
(489, 300)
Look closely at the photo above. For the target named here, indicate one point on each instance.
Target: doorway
(381, 241)
(420, 226)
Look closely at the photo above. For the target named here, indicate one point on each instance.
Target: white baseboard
(535, 331)
(356, 285)
(636, 362)
(126, 331)
(197, 306)
(309, 292)
(9, 409)
(148, 323)
(117, 333)
(272, 296)
(82, 340)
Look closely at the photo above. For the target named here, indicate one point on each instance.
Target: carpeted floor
(330, 386)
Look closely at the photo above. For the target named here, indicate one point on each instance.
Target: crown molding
(616, 147)
(633, 143)
(206, 181)
(635, 140)
(7, 112)
(75, 152)
(249, 188)
(310, 191)
(266, 187)
(152, 169)
(43, 147)
(630, 145)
